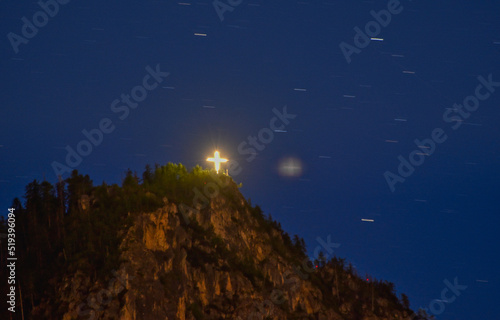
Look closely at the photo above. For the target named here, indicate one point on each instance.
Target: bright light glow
(290, 167)
(217, 160)
(367, 220)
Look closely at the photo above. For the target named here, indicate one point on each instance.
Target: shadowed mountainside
(175, 244)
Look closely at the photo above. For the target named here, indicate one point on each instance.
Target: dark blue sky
(352, 120)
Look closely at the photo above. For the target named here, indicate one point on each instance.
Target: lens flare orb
(290, 167)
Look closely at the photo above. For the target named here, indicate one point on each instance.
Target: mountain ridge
(154, 257)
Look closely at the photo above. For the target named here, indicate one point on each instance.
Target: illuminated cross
(217, 160)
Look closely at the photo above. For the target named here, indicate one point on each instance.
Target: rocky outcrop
(218, 264)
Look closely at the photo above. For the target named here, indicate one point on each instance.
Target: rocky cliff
(218, 259)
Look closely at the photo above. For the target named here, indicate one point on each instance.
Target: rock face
(216, 262)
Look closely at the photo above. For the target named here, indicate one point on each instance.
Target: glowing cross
(217, 160)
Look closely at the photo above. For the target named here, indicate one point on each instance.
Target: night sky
(215, 83)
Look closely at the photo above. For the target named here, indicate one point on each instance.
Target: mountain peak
(182, 245)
